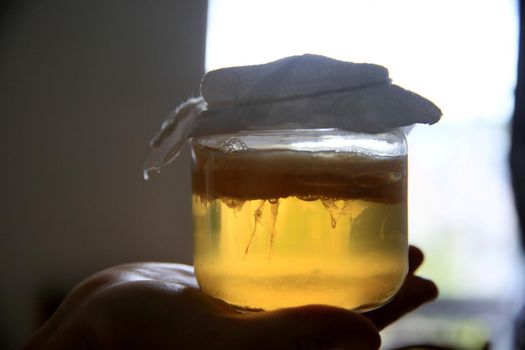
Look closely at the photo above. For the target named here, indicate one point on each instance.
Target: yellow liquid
(261, 254)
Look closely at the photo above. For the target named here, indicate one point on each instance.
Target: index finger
(415, 258)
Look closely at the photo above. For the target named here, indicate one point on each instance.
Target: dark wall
(83, 86)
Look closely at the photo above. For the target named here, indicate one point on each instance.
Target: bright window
(462, 55)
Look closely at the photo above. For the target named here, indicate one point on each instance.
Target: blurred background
(85, 85)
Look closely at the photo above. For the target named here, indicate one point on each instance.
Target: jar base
(257, 297)
(360, 309)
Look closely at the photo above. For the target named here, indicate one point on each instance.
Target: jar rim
(391, 143)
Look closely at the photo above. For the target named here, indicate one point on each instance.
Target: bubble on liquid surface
(233, 145)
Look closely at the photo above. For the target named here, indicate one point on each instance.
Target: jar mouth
(387, 144)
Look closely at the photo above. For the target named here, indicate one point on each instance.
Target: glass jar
(285, 218)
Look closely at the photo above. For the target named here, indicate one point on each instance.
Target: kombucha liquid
(278, 229)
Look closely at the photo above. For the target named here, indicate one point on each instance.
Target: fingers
(414, 292)
(307, 328)
(415, 258)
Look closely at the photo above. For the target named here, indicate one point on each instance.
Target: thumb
(309, 327)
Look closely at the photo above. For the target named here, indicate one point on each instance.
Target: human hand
(159, 306)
